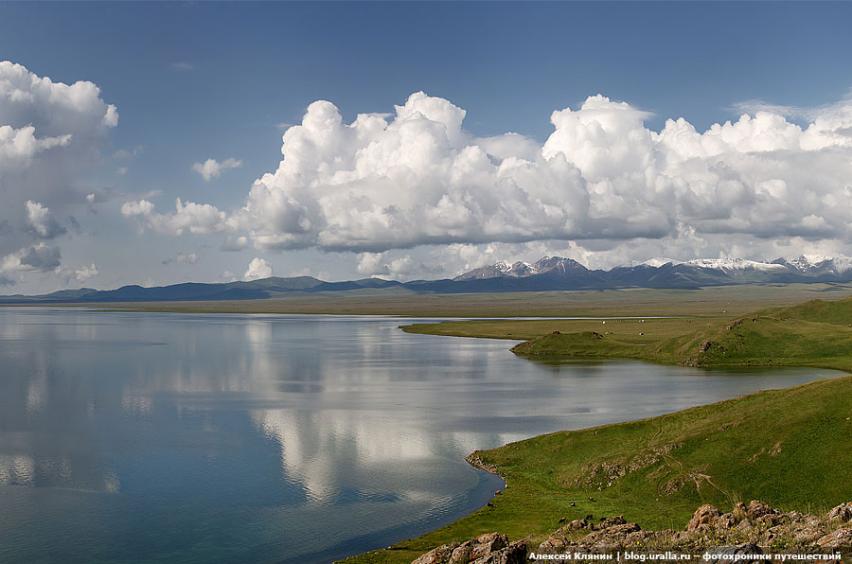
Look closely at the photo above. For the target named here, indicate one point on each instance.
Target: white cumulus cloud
(189, 217)
(51, 134)
(211, 168)
(39, 257)
(258, 268)
(85, 272)
(601, 179)
(41, 221)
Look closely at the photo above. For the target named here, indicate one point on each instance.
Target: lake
(128, 437)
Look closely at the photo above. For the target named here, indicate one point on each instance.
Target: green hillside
(789, 448)
(768, 446)
(816, 333)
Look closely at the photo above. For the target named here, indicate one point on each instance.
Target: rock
(841, 538)
(461, 555)
(607, 522)
(577, 524)
(705, 515)
(757, 509)
(736, 534)
(842, 513)
(439, 555)
(613, 536)
(489, 548)
(725, 521)
(739, 551)
(770, 519)
(515, 553)
(806, 535)
(486, 544)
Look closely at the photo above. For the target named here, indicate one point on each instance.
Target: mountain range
(546, 274)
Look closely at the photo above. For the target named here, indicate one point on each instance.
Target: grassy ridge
(790, 448)
(817, 333)
(787, 447)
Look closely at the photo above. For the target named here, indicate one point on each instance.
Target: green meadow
(790, 448)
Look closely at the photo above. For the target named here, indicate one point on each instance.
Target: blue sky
(216, 80)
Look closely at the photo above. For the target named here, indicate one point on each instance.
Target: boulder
(577, 524)
(705, 515)
(757, 509)
(515, 553)
(607, 522)
(736, 553)
(461, 554)
(440, 555)
(841, 538)
(487, 544)
(842, 513)
(613, 536)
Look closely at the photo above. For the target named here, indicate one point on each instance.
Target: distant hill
(546, 274)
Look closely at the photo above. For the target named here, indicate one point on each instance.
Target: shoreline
(522, 455)
(475, 459)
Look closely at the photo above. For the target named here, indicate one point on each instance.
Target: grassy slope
(787, 447)
(816, 333)
(790, 448)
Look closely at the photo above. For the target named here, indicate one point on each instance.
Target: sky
(159, 143)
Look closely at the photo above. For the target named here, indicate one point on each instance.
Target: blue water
(141, 437)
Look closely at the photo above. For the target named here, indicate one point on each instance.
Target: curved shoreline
(589, 501)
(489, 461)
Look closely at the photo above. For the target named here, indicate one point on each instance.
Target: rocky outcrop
(842, 513)
(746, 529)
(756, 523)
(490, 548)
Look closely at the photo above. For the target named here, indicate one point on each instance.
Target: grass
(717, 301)
(817, 333)
(790, 448)
(567, 339)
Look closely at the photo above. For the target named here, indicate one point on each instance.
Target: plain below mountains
(546, 274)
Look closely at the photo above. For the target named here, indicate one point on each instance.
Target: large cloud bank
(50, 133)
(417, 177)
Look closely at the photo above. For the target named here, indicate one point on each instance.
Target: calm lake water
(137, 437)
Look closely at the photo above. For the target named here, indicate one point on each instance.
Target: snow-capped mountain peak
(813, 264)
(729, 264)
(700, 271)
(657, 262)
(522, 269)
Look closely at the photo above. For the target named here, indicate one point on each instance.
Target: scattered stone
(578, 524)
(515, 553)
(462, 552)
(738, 533)
(490, 548)
(704, 516)
(757, 509)
(737, 553)
(440, 555)
(607, 522)
(841, 538)
(842, 513)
